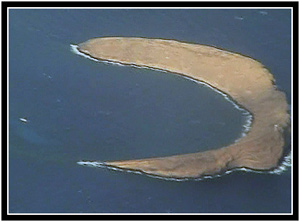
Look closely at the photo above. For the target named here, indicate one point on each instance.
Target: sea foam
(285, 164)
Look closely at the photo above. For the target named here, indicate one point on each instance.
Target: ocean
(64, 108)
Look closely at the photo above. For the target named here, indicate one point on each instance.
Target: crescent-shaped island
(247, 82)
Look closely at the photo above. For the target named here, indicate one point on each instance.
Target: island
(244, 80)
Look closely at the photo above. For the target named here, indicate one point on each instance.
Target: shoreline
(249, 116)
(243, 81)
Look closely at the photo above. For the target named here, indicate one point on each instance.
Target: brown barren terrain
(245, 80)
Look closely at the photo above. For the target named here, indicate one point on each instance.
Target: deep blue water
(78, 109)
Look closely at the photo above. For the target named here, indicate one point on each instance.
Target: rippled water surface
(64, 108)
